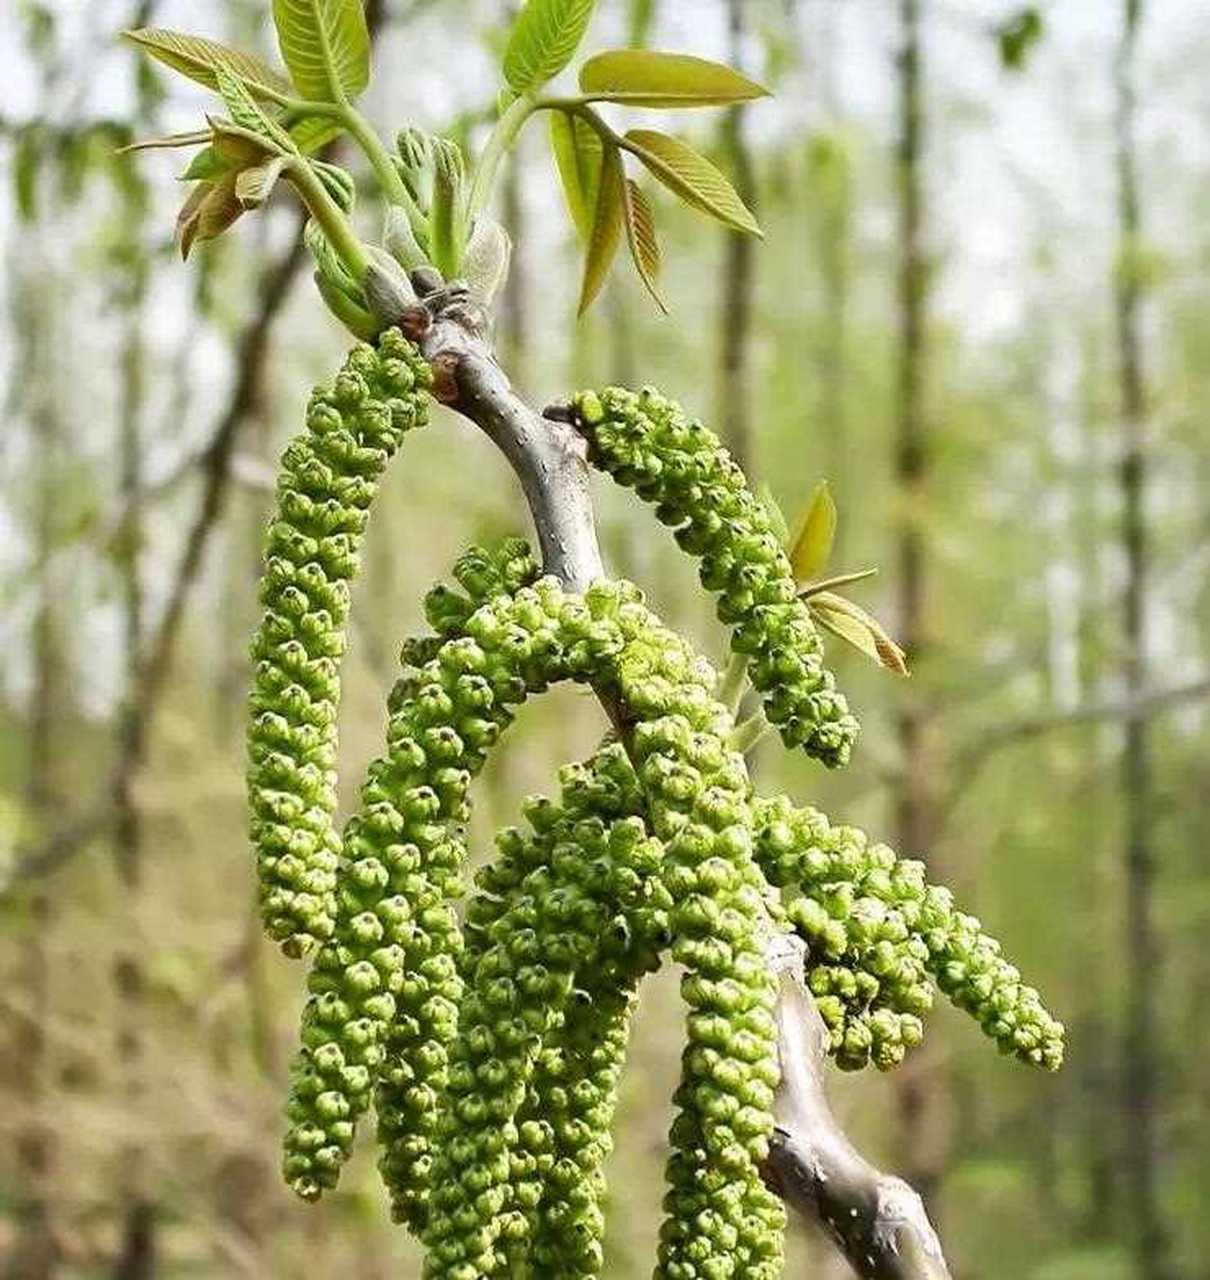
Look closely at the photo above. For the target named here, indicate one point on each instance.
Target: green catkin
(647, 442)
(328, 478)
(561, 911)
(401, 855)
(876, 932)
(388, 976)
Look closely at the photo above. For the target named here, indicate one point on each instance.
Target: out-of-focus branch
(216, 460)
(1130, 710)
(877, 1220)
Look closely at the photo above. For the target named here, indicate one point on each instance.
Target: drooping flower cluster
(648, 443)
(491, 1045)
(328, 478)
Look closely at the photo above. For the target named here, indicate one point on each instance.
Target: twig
(249, 380)
(878, 1221)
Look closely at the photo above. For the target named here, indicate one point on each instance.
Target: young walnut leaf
(200, 59)
(325, 45)
(640, 234)
(544, 37)
(644, 78)
(812, 546)
(577, 150)
(253, 186)
(210, 209)
(862, 630)
(606, 227)
(692, 177)
(249, 115)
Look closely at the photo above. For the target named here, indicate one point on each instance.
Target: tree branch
(878, 1221)
(1130, 710)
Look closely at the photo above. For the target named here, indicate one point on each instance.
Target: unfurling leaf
(209, 210)
(326, 46)
(644, 78)
(812, 545)
(248, 114)
(692, 177)
(387, 288)
(606, 227)
(577, 149)
(544, 37)
(253, 186)
(485, 263)
(199, 59)
(862, 630)
(399, 239)
(447, 218)
(640, 234)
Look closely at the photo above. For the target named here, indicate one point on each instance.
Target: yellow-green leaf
(606, 228)
(577, 151)
(544, 37)
(325, 45)
(199, 59)
(812, 545)
(248, 114)
(862, 630)
(254, 185)
(640, 234)
(692, 177)
(645, 78)
(209, 210)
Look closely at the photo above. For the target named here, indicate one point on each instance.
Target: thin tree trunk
(1150, 1240)
(833, 224)
(136, 1256)
(738, 277)
(35, 1253)
(914, 801)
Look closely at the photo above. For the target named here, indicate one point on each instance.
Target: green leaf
(812, 546)
(249, 114)
(577, 149)
(1017, 36)
(253, 186)
(644, 78)
(692, 177)
(640, 234)
(209, 210)
(325, 45)
(485, 263)
(606, 228)
(207, 163)
(447, 217)
(199, 59)
(862, 630)
(544, 37)
(313, 132)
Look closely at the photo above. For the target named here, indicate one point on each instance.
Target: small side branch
(877, 1221)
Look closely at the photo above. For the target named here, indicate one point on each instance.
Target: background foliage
(146, 1027)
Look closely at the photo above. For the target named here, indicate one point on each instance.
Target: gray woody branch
(878, 1222)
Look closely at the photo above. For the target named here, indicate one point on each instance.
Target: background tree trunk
(738, 280)
(1141, 1031)
(915, 821)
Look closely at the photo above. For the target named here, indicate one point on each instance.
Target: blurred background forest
(982, 310)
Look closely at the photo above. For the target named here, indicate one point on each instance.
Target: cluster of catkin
(486, 1026)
